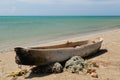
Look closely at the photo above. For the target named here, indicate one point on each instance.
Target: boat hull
(39, 57)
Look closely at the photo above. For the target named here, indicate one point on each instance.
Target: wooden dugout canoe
(56, 53)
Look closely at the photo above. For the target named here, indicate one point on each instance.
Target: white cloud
(7, 2)
(57, 6)
(81, 2)
(35, 1)
(71, 1)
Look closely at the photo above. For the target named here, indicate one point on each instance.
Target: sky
(59, 7)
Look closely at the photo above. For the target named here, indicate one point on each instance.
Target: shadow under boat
(98, 53)
(36, 72)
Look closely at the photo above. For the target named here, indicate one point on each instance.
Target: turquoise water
(15, 30)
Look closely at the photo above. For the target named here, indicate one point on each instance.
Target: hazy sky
(59, 7)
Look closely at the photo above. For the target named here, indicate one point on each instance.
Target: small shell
(95, 64)
(90, 71)
(94, 75)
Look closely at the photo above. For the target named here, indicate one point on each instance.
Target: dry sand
(108, 60)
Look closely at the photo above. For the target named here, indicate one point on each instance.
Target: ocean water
(23, 30)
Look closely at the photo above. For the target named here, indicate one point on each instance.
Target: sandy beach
(108, 61)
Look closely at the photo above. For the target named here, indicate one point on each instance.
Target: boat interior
(66, 45)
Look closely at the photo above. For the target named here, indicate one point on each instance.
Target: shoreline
(60, 39)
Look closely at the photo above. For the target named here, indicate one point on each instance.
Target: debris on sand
(94, 75)
(57, 68)
(51, 68)
(90, 71)
(77, 65)
(93, 64)
(18, 73)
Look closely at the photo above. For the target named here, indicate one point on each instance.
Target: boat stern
(22, 56)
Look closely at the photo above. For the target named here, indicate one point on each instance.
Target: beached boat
(56, 53)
